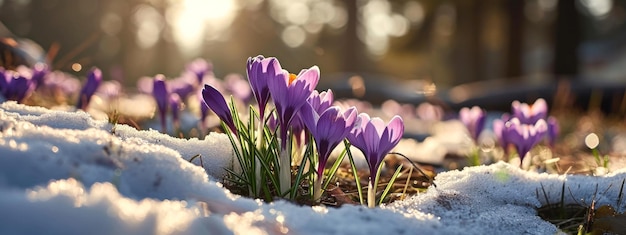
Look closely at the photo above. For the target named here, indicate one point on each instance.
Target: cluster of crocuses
(173, 95)
(264, 144)
(525, 127)
(18, 84)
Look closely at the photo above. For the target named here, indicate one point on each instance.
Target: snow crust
(66, 173)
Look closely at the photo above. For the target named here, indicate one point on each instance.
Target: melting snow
(66, 173)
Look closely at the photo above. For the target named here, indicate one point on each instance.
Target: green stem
(260, 144)
(596, 155)
(285, 170)
(475, 157)
(317, 188)
(371, 194)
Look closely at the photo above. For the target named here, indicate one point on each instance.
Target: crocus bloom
(181, 86)
(204, 110)
(498, 129)
(429, 112)
(524, 136)
(260, 70)
(238, 87)
(216, 102)
(199, 67)
(528, 114)
(328, 129)
(58, 83)
(272, 122)
(14, 86)
(289, 93)
(474, 120)
(298, 130)
(375, 139)
(175, 107)
(321, 101)
(553, 130)
(159, 91)
(94, 79)
(40, 70)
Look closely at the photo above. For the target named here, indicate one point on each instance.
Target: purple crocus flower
(524, 136)
(181, 86)
(328, 128)
(272, 122)
(14, 86)
(35, 74)
(94, 78)
(298, 130)
(159, 91)
(498, 129)
(474, 120)
(175, 102)
(321, 101)
(289, 93)
(216, 102)
(204, 110)
(375, 139)
(260, 70)
(200, 67)
(39, 71)
(530, 114)
(238, 87)
(553, 130)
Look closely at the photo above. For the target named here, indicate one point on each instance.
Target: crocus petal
(17, 89)
(260, 70)
(175, 106)
(159, 91)
(329, 130)
(474, 120)
(160, 94)
(94, 79)
(199, 68)
(289, 95)
(15, 85)
(321, 101)
(524, 136)
(40, 70)
(530, 114)
(4, 80)
(553, 130)
(375, 139)
(216, 102)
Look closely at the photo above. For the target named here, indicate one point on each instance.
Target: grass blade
(390, 184)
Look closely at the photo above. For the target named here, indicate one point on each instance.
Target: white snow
(65, 173)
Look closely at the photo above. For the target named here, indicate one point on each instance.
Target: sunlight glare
(194, 21)
(598, 8)
(293, 36)
(592, 141)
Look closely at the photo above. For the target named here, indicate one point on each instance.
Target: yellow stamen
(292, 77)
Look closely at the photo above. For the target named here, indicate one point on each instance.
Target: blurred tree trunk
(515, 10)
(468, 55)
(567, 38)
(350, 57)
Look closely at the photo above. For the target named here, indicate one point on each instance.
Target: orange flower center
(292, 77)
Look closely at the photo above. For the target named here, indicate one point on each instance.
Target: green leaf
(354, 172)
(389, 185)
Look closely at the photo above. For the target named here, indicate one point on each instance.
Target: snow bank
(65, 173)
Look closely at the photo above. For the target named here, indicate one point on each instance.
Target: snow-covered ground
(65, 173)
